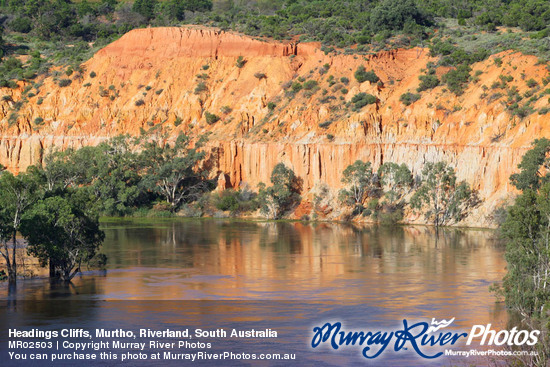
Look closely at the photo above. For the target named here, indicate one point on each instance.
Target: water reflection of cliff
(285, 275)
(391, 267)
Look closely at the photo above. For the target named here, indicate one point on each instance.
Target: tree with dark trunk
(60, 231)
(441, 196)
(17, 194)
(171, 170)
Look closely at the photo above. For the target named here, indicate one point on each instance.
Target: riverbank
(293, 217)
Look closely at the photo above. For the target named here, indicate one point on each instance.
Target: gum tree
(526, 230)
(360, 181)
(395, 180)
(440, 196)
(60, 231)
(17, 195)
(171, 170)
(527, 233)
(276, 199)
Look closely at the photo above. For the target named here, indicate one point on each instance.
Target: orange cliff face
(165, 79)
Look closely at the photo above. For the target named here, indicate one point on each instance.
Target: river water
(285, 276)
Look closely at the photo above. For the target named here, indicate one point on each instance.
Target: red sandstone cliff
(160, 67)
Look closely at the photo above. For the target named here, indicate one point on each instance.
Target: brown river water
(286, 276)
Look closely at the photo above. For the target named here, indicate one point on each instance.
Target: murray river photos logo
(422, 338)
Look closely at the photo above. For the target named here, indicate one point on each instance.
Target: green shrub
(240, 62)
(522, 111)
(21, 25)
(531, 83)
(360, 100)
(506, 78)
(228, 201)
(498, 85)
(327, 99)
(29, 74)
(201, 87)
(398, 15)
(409, 98)
(362, 75)
(460, 57)
(17, 105)
(457, 79)
(271, 106)
(344, 80)
(296, 87)
(64, 82)
(310, 84)
(427, 82)
(390, 215)
(260, 76)
(139, 102)
(93, 74)
(211, 118)
(12, 120)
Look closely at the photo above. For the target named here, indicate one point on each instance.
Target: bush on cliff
(211, 118)
(360, 100)
(427, 82)
(409, 98)
(457, 79)
(362, 75)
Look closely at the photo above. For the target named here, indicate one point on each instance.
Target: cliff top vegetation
(39, 34)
